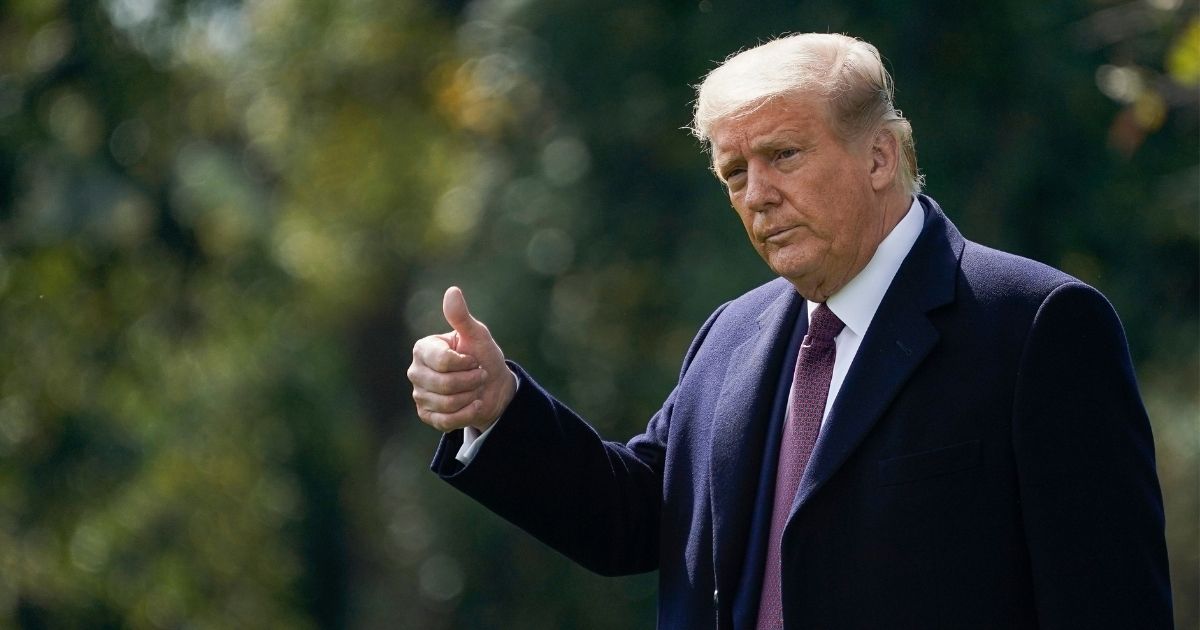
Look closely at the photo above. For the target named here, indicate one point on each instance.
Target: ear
(885, 159)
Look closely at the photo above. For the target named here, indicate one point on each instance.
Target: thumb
(454, 308)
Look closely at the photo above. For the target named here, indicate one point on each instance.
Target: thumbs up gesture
(459, 378)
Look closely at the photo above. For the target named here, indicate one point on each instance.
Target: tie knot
(824, 325)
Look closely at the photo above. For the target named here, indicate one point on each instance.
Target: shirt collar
(855, 304)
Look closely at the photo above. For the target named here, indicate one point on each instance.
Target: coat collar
(900, 337)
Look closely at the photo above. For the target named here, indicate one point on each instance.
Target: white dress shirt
(855, 304)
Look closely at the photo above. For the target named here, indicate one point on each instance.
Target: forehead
(774, 120)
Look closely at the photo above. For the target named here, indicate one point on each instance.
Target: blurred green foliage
(222, 225)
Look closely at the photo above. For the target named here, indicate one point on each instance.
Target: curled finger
(442, 403)
(447, 422)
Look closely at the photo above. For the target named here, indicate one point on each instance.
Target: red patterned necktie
(810, 388)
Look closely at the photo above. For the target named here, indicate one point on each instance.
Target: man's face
(804, 197)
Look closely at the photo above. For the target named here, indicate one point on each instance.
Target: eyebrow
(720, 166)
(779, 139)
(775, 142)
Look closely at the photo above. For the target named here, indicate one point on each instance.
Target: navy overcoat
(987, 464)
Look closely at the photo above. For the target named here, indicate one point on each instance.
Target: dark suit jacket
(987, 464)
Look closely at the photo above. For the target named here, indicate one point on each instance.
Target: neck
(892, 207)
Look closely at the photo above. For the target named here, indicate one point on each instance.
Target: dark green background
(223, 225)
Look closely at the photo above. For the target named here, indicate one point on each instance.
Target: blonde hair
(845, 72)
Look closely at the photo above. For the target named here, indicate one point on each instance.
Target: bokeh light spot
(458, 211)
(74, 122)
(565, 160)
(441, 578)
(550, 251)
(48, 46)
(1122, 84)
(129, 141)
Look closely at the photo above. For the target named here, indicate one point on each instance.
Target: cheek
(839, 210)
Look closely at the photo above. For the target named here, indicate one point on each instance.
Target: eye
(784, 154)
(734, 178)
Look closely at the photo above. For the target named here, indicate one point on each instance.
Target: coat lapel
(899, 338)
(739, 432)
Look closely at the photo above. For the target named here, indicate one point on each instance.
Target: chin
(791, 268)
(803, 277)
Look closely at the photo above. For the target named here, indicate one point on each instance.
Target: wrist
(507, 392)
(482, 427)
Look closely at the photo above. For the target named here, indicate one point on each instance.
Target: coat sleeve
(550, 473)
(1090, 499)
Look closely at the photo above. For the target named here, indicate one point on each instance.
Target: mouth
(778, 235)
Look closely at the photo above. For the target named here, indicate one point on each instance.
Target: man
(906, 430)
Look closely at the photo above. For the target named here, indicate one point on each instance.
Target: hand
(459, 378)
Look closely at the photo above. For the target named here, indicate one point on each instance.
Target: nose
(761, 193)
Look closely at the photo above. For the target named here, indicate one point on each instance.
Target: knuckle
(441, 405)
(439, 383)
(451, 385)
(439, 421)
(465, 400)
(454, 385)
(440, 362)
